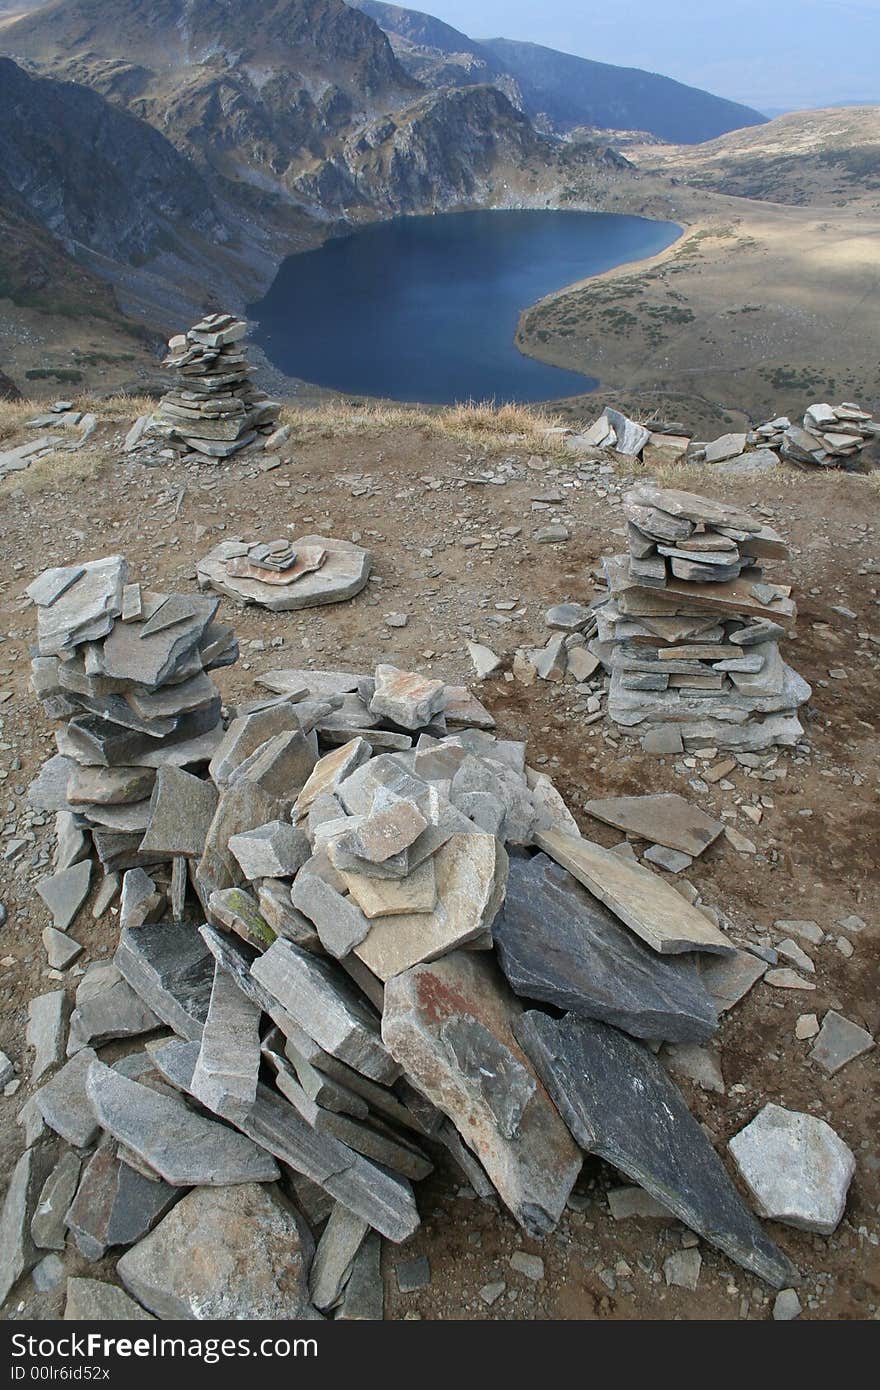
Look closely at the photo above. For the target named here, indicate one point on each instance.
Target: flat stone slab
(227, 1070)
(93, 1300)
(382, 1198)
(839, 1041)
(84, 610)
(64, 1103)
(48, 1229)
(321, 999)
(729, 978)
(344, 573)
(274, 850)
(107, 1008)
(388, 897)
(645, 902)
(796, 1167)
(47, 1021)
(665, 818)
(181, 1146)
(232, 1253)
(115, 1204)
(451, 1025)
(559, 944)
(181, 810)
(171, 969)
(339, 922)
(65, 892)
(18, 1253)
(471, 878)
(337, 1250)
(618, 1102)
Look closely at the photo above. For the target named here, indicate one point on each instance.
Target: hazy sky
(767, 53)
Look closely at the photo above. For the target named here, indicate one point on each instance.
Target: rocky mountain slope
(805, 158)
(559, 91)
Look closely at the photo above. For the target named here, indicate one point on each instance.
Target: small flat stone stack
(215, 407)
(127, 669)
(690, 631)
(831, 434)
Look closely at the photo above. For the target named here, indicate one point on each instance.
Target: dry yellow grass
(478, 426)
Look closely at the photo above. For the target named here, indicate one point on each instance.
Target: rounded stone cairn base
(344, 572)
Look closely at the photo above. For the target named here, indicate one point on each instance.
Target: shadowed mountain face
(93, 174)
(558, 90)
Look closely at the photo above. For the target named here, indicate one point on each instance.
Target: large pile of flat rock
(830, 435)
(396, 946)
(214, 407)
(691, 628)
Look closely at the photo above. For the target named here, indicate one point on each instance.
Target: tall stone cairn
(215, 408)
(690, 631)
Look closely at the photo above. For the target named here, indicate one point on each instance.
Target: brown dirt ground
(418, 496)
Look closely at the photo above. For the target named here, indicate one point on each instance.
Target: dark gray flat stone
(619, 1103)
(559, 944)
(64, 1104)
(169, 966)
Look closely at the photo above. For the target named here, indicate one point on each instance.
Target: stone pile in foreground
(214, 406)
(387, 943)
(691, 628)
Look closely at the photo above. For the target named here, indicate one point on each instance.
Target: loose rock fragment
(796, 1168)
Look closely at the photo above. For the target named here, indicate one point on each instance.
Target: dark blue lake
(426, 308)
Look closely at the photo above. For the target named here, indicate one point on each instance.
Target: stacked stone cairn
(690, 631)
(215, 407)
(398, 948)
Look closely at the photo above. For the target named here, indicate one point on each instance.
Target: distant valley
(220, 138)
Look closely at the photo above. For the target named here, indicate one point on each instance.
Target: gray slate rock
(92, 1300)
(322, 1000)
(232, 1253)
(181, 1146)
(107, 1008)
(18, 1254)
(619, 1103)
(65, 892)
(181, 810)
(337, 1250)
(339, 922)
(559, 944)
(275, 850)
(225, 1076)
(171, 969)
(796, 1167)
(48, 1228)
(64, 1104)
(47, 1020)
(364, 1297)
(839, 1041)
(451, 1025)
(61, 950)
(114, 1204)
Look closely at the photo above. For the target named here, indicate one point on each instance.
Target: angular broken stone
(18, 1254)
(248, 733)
(183, 1147)
(667, 818)
(106, 1008)
(324, 1003)
(641, 899)
(171, 969)
(385, 833)
(335, 1255)
(619, 1103)
(232, 1253)
(471, 877)
(61, 950)
(275, 850)
(451, 1026)
(729, 978)
(110, 786)
(65, 892)
(141, 900)
(47, 1019)
(338, 920)
(363, 1299)
(48, 1229)
(227, 1070)
(240, 808)
(796, 1167)
(330, 770)
(92, 1300)
(64, 1103)
(406, 698)
(557, 943)
(839, 1041)
(52, 583)
(85, 609)
(181, 810)
(380, 1197)
(237, 910)
(385, 897)
(114, 1204)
